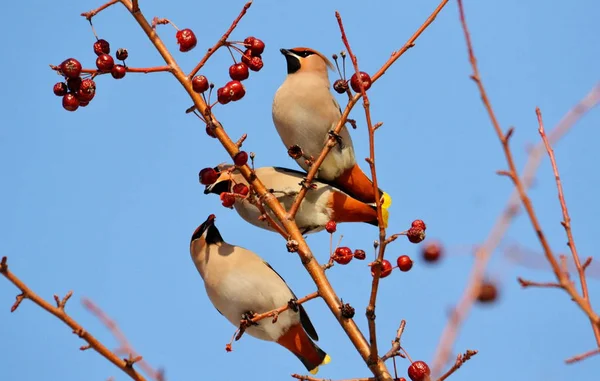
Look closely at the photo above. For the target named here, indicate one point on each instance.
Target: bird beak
(285, 52)
(208, 188)
(202, 228)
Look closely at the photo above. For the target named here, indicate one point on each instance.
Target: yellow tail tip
(326, 361)
(387, 200)
(386, 215)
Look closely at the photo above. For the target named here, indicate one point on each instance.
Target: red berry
(247, 56)
(241, 158)
(488, 292)
(60, 89)
(105, 63)
(186, 40)
(239, 71)
(257, 47)
(255, 64)
(404, 263)
(122, 54)
(419, 224)
(101, 47)
(200, 83)
(360, 254)
(340, 86)
(400, 379)
(415, 234)
(70, 102)
(241, 189)
(365, 78)
(227, 199)
(432, 252)
(74, 84)
(83, 104)
(331, 227)
(71, 68)
(386, 269)
(208, 176)
(210, 132)
(118, 71)
(87, 90)
(343, 255)
(236, 89)
(418, 371)
(224, 95)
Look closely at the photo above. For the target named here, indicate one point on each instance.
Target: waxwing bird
(304, 113)
(322, 204)
(239, 283)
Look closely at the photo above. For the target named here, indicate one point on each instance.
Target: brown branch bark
(310, 263)
(370, 312)
(59, 312)
(484, 252)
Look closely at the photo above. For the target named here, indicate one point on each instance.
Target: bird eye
(302, 53)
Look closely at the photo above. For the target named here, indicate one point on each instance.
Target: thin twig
(395, 349)
(256, 318)
(222, 41)
(124, 344)
(583, 356)
(143, 70)
(460, 360)
(92, 13)
(309, 378)
(527, 283)
(377, 264)
(567, 221)
(60, 313)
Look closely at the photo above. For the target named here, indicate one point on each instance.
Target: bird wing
(304, 319)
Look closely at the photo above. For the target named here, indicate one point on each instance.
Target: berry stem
(162, 21)
(230, 52)
(222, 41)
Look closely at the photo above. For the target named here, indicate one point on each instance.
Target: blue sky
(103, 201)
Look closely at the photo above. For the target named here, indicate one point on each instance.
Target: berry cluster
(78, 91)
(341, 85)
(343, 255)
(208, 176)
(234, 90)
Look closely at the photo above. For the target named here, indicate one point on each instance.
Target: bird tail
(296, 340)
(357, 184)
